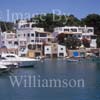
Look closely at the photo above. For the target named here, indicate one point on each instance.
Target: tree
(92, 20)
(98, 42)
(73, 21)
(50, 21)
(60, 38)
(6, 26)
(86, 42)
(72, 43)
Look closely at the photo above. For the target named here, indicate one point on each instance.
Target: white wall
(93, 43)
(62, 49)
(9, 37)
(82, 30)
(47, 50)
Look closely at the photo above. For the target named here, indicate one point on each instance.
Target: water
(61, 69)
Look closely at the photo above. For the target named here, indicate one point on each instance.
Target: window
(74, 30)
(2, 58)
(43, 35)
(49, 40)
(37, 54)
(36, 40)
(74, 36)
(10, 42)
(39, 46)
(48, 55)
(32, 40)
(18, 35)
(79, 36)
(23, 55)
(27, 25)
(37, 34)
(67, 30)
(11, 56)
(22, 26)
(28, 34)
(15, 43)
(90, 30)
(47, 49)
(61, 48)
(32, 34)
(32, 25)
(93, 37)
(61, 54)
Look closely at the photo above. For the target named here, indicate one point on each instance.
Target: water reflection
(61, 69)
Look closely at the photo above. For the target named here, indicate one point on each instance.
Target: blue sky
(80, 8)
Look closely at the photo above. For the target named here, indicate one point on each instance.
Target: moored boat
(22, 61)
(4, 69)
(72, 60)
(6, 62)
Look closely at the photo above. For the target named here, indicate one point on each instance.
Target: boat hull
(72, 60)
(4, 70)
(26, 64)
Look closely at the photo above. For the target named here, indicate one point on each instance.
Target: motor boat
(5, 62)
(21, 61)
(72, 60)
(4, 69)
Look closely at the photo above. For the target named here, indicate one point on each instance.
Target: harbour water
(58, 69)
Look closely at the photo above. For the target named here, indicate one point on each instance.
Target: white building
(55, 50)
(78, 32)
(93, 43)
(48, 51)
(10, 42)
(61, 51)
(28, 34)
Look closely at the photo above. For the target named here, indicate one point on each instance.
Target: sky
(79, 8)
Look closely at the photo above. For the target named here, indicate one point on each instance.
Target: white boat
(22, 61)
(5, 62)
(72, 60)
(3, 69)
